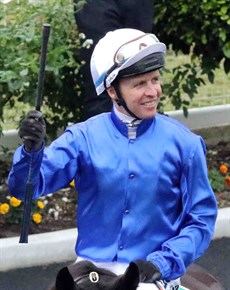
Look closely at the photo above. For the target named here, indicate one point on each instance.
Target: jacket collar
(122, 127)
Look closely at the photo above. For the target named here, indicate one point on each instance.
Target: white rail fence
(213, 123)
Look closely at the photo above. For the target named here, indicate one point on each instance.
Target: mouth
(151, 103)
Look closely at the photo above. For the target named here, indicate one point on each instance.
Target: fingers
(33, 130)
(34, 114)
(34, 125)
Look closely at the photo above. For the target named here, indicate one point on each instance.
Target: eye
(139, 83)
(156, 80)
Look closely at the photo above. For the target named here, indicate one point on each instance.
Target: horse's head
(85, 275)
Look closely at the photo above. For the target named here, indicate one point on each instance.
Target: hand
(148, 271)
(32, 130)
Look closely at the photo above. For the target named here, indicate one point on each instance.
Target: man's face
(141, 94)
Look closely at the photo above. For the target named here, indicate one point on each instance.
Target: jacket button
(131, 176)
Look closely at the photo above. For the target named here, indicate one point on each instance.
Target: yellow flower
(37, 218)
(15, 202)
(40, 204)
(223, 169)
(4, 208)
(72, 183)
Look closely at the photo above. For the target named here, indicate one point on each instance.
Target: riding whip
(29, 185)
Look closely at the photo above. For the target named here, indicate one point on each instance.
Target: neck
(125, 117)
(131, 122)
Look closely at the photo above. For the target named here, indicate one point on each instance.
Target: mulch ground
(60, 209)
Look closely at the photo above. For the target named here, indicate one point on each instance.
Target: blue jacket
(144, 198)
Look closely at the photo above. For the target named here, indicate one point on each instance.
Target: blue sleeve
(52, 167)
(199, 208)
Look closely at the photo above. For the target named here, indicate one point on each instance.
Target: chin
(149, 115)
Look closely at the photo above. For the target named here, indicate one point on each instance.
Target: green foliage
(20, 46)
(185, 78)
(46, 209)
(200, 29)
(217, 180)
(11, 210)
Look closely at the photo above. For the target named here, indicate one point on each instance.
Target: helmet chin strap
(121, 102)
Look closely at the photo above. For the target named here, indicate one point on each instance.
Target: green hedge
(20, 46)
(200, 29)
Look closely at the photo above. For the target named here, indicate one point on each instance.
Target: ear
(130, 279)
(64, 280)
(112, 93)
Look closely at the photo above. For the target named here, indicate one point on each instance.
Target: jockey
(141, 177)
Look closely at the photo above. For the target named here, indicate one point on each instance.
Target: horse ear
(130, 279)
(64, 280)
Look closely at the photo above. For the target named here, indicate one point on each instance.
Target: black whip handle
(41, 74)
(29, 185)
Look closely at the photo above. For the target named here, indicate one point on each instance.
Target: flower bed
(57, 211)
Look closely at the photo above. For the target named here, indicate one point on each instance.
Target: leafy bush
(11, 209)
(199, 29)
(219, 178)
(20, 46)
(47, 209)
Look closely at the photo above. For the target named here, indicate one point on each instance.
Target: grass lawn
(209, 94)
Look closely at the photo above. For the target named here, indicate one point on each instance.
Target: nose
(152, 89)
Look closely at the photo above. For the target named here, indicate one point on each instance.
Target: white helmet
(120, 49)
